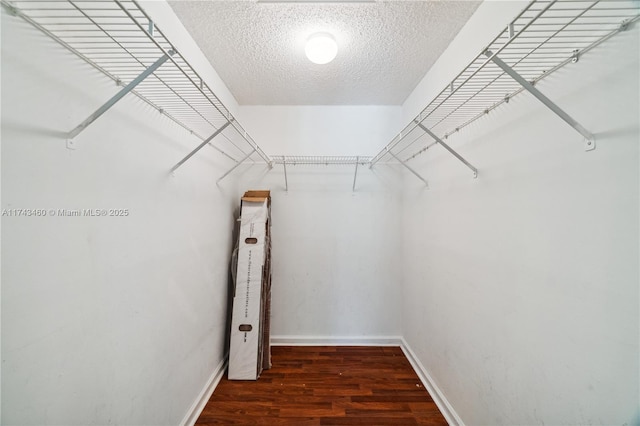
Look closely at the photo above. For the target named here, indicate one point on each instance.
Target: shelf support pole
(199, 147)
(590, 139)
(448, 148)
(355, 175)
(284, 167)
(236, 166)
(408, 168)
(111, 102)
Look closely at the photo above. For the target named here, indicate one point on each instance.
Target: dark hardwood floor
(328, 385)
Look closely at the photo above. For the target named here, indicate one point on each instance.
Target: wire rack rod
(544, 37)
(318, 160)
(299, 160)
(120, 40)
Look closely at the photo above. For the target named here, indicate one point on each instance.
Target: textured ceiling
(385, 48)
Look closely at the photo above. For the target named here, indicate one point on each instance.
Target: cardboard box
(249, 349)
(266, 307)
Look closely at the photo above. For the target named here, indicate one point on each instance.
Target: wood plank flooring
(326, 385)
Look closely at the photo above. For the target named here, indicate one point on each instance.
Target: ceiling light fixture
(321, 48)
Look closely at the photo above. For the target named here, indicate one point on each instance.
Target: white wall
(335, 252)
(105, 320)
(521, 287)
(322, 130)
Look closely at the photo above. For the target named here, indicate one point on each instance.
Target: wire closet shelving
(118, 38)
(310, 160)
(544, 37)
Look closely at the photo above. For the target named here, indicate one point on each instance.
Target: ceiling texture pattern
(384, 48)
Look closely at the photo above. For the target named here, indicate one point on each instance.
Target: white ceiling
(385, 48)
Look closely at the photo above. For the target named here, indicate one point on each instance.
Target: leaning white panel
(244, 353)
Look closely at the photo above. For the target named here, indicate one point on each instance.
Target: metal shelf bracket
(409, 168)
(590, 140)
(236, 166)
(284, 167)
(448, 148)
(111, 102)
(199, 147)
(355, 175)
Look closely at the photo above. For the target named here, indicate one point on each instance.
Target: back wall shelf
(119, 39)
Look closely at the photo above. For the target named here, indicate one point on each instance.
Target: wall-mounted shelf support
(448, 148)
(111, 102)
(236, 166)
(286, 182)
(590, 139)
(355, 175)
(409, 168)
(199, 147)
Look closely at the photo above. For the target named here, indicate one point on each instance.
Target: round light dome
(321, 48)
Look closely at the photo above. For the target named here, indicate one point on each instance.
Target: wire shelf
(545, 36)
(293, 160)
(119, 39)
(317, 160)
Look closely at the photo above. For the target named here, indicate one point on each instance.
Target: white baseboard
(336, 341)
(438, 396)
(196, 409)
